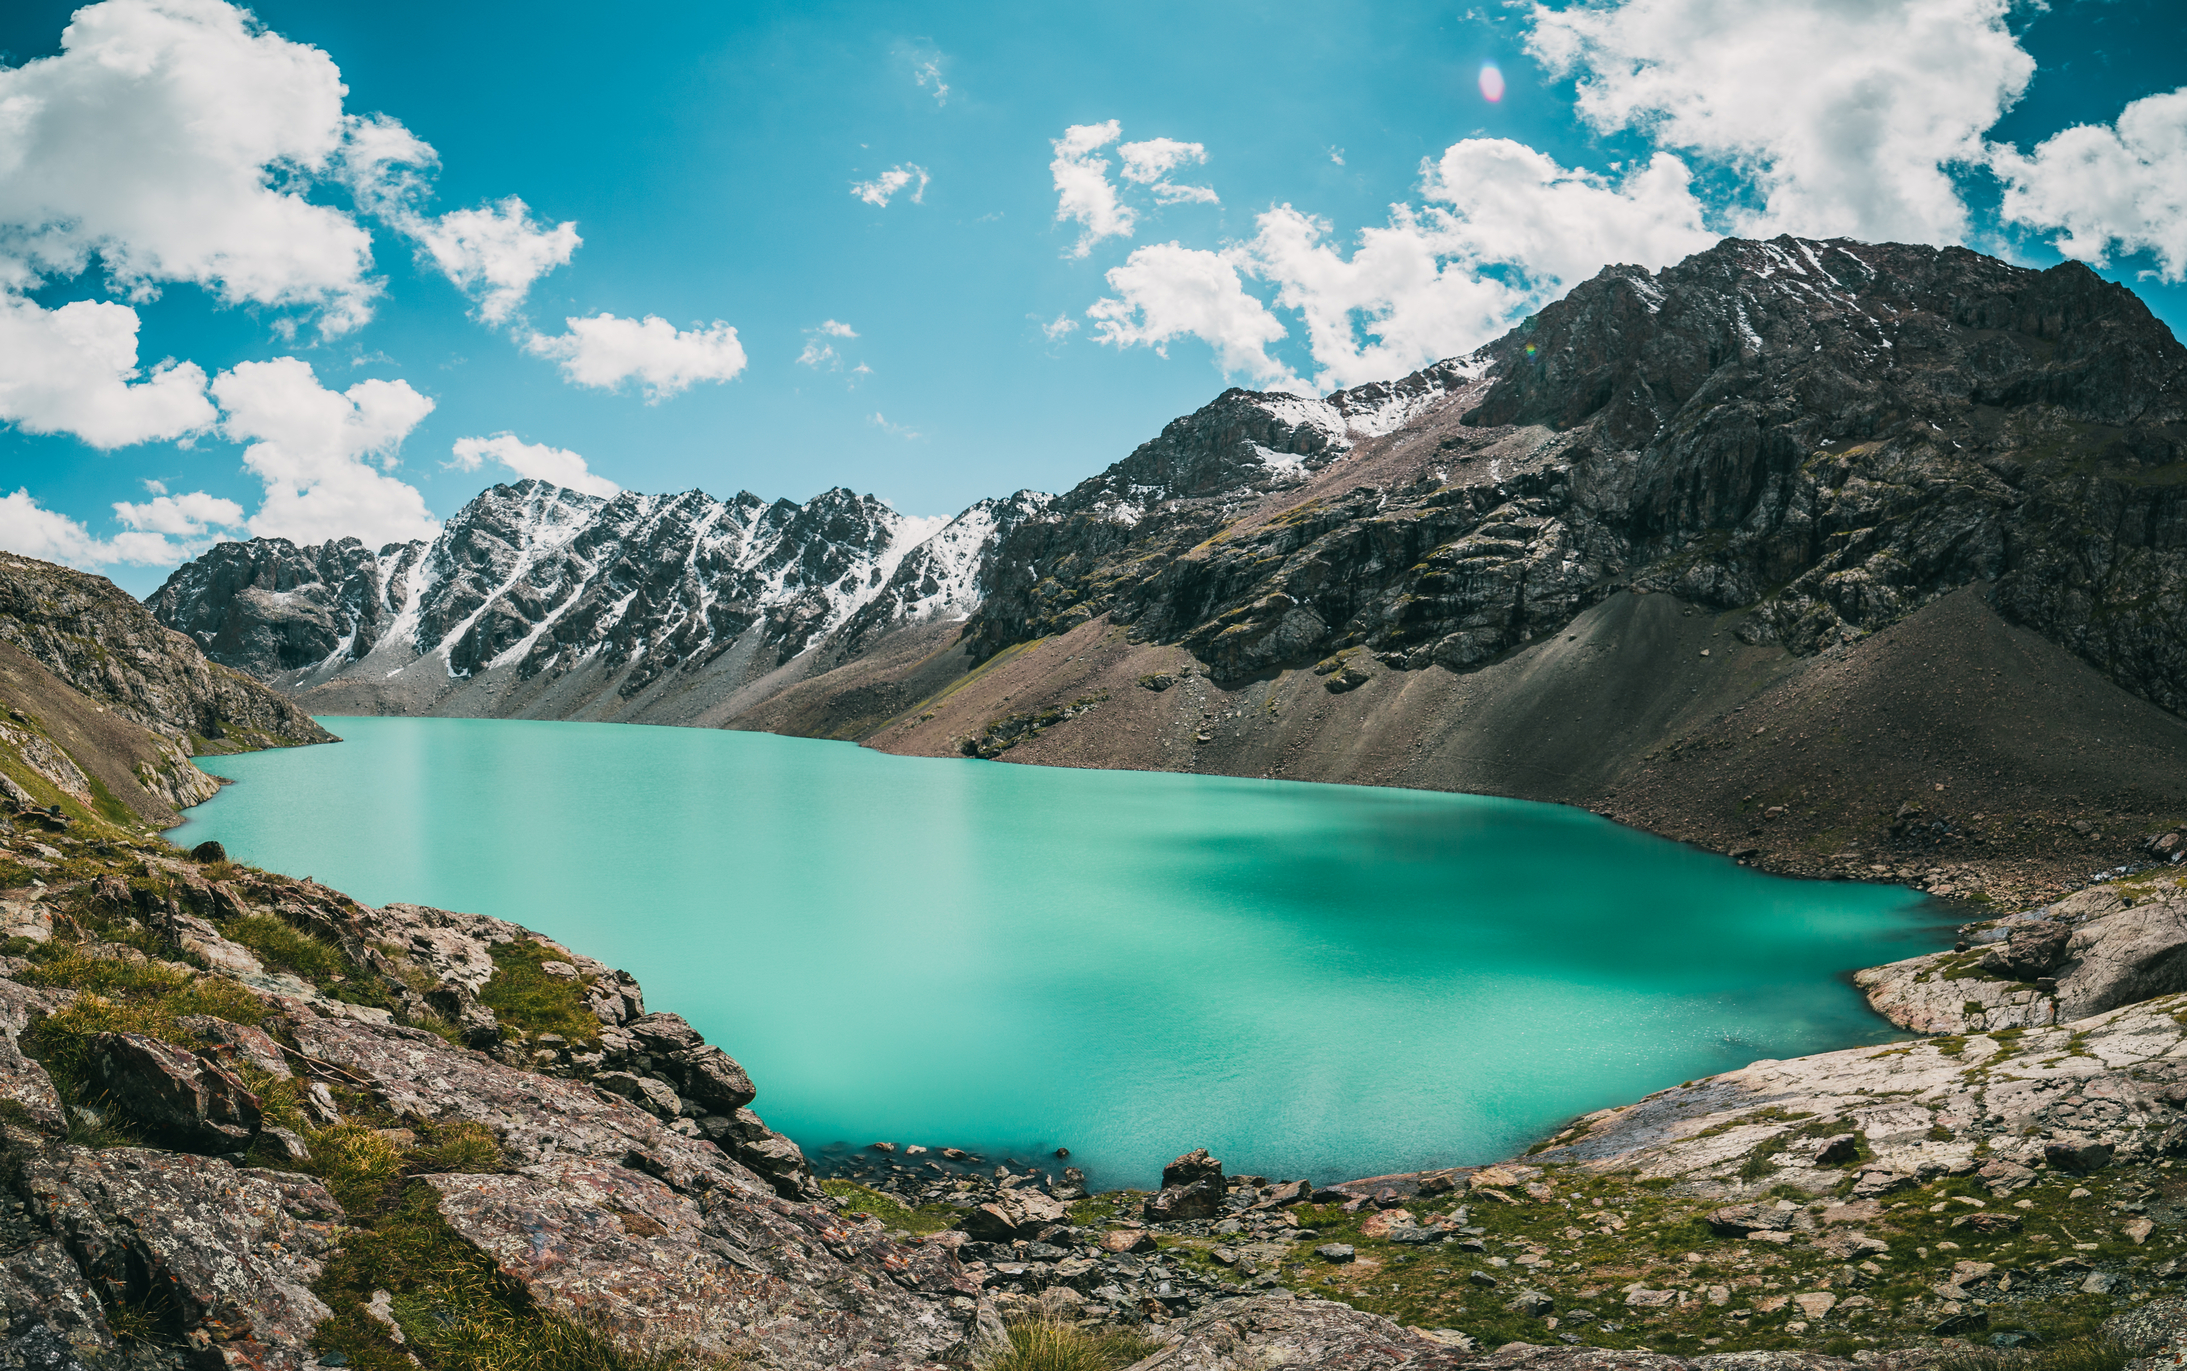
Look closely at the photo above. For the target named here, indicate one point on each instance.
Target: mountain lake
(1309, 980)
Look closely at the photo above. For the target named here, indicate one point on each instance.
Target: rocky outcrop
(103, 644)
(276, 1112)
(2105, 946)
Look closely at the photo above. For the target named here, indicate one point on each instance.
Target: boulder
(1194, 1166)
(1739, 1220)
(1338, 1252)
(664, 1034)
(1127, 1240)
(234, 1044)
(2028, 951)
(1200, 1200)
(1013, 1214)
(209, 851)
(2001, 1177)
(192, 1102)
(1288, 1193)
(2079, 1156)
(228, 1254)
(2123, 958)
(653, 1096)
(712, 1077)
(1532, 1303)
(1838, 1149)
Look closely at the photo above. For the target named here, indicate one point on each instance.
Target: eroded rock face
(2123, 957)
(86, 631)
(1267, 1330)
(1830, 433)
(183, 1097)
(233, 1252)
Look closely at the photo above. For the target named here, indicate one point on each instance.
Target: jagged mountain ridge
(531, 582)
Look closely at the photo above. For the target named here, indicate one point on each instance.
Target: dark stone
(208, 852)
(1837, 1150)
(1201, 1200)
(2081, 1156)
(1194, 1166)
(1338, 1252)
(2028, 952)
(186, 1099)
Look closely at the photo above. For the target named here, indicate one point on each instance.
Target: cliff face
(1826, 436)
(88, 633)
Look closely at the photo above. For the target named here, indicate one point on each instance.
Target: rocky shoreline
(224, 1085)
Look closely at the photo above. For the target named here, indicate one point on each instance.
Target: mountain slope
(103, 707)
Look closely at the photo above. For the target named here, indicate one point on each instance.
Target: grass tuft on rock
(532, 1001)
(1045, 1345)
(927, 1218)
(285, 948)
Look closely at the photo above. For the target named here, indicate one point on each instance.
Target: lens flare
(1492, 83)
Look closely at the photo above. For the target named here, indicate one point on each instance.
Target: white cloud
(1842, 115)
(2121, 185)
(313, 448)
(184, 516)
(173, 139)
(1505, 228)
(1150, 163)
(74, 370)
(1165, 291)
(882, 187)
(1060, 328)
(30, 529)
(533, 461)
(819, 354)
(1083, 191)
(892, 430)
(928, 73)
(1156, 158)
(604, 351)
(498, 250)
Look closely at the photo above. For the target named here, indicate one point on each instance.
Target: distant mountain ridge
(1916, 515)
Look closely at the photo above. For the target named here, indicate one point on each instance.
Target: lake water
(1315, 980)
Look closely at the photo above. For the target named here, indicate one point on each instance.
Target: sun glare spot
(1492, 83)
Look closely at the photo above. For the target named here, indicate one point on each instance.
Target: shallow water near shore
(1315, 980)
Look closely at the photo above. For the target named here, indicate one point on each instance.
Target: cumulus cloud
(1503, 229)
(1150, 163)
(604, 351)
(1086, 196)
(74, 370)
(1084, 193)
(324, 455)
(1842, 116)
(496, 252)
(2119, 186)
(533, 461)
(1060, 328)
(183, 516)
(29, 528)
(879, 190)
(172, 138)
(1165, 291)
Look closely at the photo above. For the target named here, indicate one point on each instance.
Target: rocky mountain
(1759, 550)
(104, 707)
(540, 600)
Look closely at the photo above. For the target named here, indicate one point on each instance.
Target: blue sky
(1324, 196)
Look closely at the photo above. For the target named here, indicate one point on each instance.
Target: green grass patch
(527, 999)
(285, 948)
(927, 1218)
(1041, 1345)
(14, 874)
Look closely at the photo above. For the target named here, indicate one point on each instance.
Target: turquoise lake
(1309, 980)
